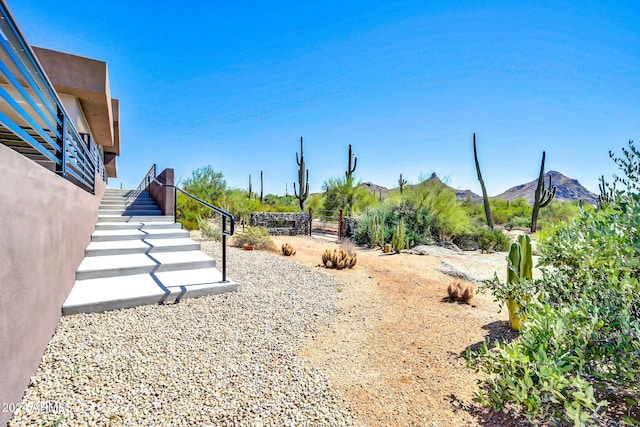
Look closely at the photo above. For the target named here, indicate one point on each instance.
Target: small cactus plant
(519, 268)
(460, 292)
(399, 240)
(287, 250)
(339, 260)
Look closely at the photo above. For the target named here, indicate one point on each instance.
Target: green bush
(376, 226)
(483, 239)
(582, 329)
(210, 228)
(447, 217)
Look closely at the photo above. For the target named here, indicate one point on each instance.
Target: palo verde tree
(485, 197)
(303, 179)
(543, 196)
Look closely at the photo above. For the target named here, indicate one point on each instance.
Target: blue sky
(234, 84)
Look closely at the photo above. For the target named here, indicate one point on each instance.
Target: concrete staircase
(137, 256)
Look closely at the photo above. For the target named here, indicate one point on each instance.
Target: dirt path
(394, 351)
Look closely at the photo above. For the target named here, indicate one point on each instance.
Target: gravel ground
(221, 360)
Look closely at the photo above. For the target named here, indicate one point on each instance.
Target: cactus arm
(513, 263)
(526, 257)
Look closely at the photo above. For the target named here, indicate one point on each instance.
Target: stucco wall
(45, 224)
(164, 196)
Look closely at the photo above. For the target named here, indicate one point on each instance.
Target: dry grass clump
(339, 259)
(460, 292)
(257, 236)
(287, 250)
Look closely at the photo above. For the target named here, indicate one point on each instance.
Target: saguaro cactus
(351, 170)
(401, 183)
(543, 196)
(303, 179)
(261, 186)
(485, 197)
(249, 194)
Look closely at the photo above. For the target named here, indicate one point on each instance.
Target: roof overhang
(87, 80)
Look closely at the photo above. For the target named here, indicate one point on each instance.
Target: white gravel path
(221, 360)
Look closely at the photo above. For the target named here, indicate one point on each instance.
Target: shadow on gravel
(486, 417)
(499, 332)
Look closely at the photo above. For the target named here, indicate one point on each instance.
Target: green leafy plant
(210, 229)
(580, 345)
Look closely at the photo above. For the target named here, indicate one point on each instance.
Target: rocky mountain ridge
(568, 190)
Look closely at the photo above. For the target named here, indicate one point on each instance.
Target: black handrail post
(175, 205)
(224, 248)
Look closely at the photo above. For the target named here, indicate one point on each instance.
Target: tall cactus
(543, 196)
(303, 179)
(485, 197)
(249, 194)
(261, 186)
(351, 170)
(401, 183)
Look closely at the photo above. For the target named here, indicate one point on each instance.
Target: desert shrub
(483, 239)
(447, 216)
(581, 339)
(207, 185)
(257, 236)
(210, 228)
(376, 226)
(460, 292)
(347, 194)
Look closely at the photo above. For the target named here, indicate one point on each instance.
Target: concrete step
(127, 201)
(123, 247)
(134, 218)
(140, 212)
(136, 225)
(135, 234)
(120, 206)
(102, 294)
(125, 265)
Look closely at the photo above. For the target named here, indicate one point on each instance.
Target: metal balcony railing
(33, 120)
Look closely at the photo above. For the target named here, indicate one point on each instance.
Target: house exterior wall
(45, 224)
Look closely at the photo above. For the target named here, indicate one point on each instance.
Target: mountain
(376, 189)
(568, 189)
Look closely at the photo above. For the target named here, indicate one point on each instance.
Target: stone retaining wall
(282, 223)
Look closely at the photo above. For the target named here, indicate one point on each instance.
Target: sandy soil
(394, 351)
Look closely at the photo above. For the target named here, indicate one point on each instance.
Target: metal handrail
(151, 177)
(38, 124)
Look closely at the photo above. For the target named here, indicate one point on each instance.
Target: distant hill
(376, 189)
(568, 189)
